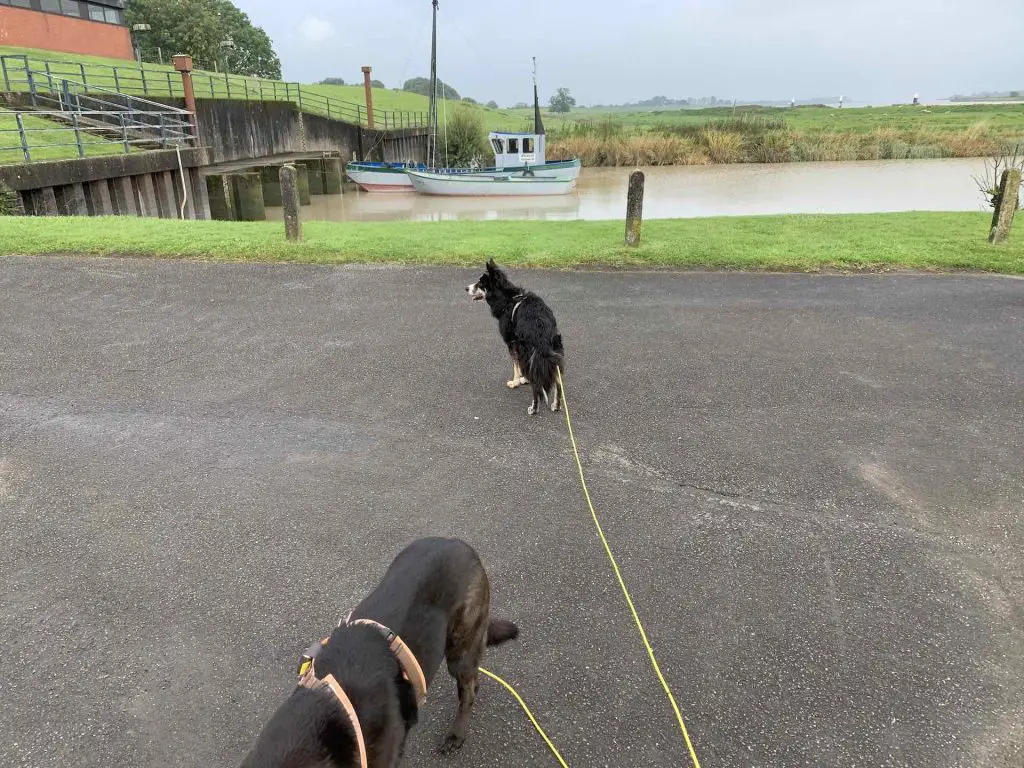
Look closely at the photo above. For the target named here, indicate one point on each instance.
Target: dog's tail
(501, 631)
(542, 365)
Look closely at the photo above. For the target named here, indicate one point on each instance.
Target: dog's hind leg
(464, 652)
(538, 392)
(554, 401)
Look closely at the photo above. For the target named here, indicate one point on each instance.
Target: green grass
(40, 133)
(919, 241)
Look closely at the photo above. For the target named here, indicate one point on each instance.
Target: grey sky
(605, 52)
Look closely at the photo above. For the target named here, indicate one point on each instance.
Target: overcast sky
(613, 52)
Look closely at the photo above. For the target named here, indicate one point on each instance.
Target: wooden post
(290, 200)
(634, 208)
(367, 86)
(1006, 206)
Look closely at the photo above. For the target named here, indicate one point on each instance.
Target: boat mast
(538, 126)
(432, 115)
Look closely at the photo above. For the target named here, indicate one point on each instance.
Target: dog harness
(521, 298)
(406, 659)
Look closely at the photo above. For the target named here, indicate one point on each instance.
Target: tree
(562, 101)
(421, 85)
(492, 104)
(202, 29)
(377, 84)
(332, 81)
(466, 137)
(469, 99)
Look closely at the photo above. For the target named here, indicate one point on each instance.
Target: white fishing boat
(515, 154)
(481, 185)
(380, 177)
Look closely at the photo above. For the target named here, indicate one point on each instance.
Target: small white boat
(481, 185)
(380, 177)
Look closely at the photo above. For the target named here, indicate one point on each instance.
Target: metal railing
(101, 121)
(87, 133)
(152, 81)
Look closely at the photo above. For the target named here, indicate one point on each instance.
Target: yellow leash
(529, 714)
(625, 591)
(629, 602)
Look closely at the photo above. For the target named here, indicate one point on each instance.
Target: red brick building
(93, 27)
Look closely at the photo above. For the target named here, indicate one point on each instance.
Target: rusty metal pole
(369, 97)
(183, 63)
(634, 208)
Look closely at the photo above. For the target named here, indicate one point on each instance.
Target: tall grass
(756, 138)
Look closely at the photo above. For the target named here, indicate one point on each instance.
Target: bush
(466, 138)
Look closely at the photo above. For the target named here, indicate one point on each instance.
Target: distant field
(1008, 118)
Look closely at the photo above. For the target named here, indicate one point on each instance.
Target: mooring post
(289, 178)
(634, 208)
(183, 63)
(368, 89)
(1007, 201)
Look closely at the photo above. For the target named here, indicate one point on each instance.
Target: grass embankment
(162, 80)
(47, 140)
(921, 241)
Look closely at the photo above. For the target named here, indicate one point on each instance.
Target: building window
(70, 8)
(21, 3)
(95, 12)
(113, 15)
(527, 145)
(49, 6)
(513, 146)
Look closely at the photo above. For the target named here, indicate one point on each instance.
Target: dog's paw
(556, 407)
(532, 410)
(512, 384)
(452, 743)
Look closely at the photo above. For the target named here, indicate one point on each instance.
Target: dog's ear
(407, 701)
(491, 266)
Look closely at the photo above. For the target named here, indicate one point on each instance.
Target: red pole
(183, 63)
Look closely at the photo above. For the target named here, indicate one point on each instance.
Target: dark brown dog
(437, 598)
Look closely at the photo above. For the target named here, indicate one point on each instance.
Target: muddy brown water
(693, 191)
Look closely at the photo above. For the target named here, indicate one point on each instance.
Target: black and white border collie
(529, 329)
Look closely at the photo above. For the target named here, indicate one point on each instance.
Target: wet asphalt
(813, 484)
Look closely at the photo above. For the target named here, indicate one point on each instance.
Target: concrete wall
(137, 184)
(240, 130)
(53, 32)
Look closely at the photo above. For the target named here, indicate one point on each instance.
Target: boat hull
(392, 177)
(479, 185)
(380, 177)
(563, 170)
